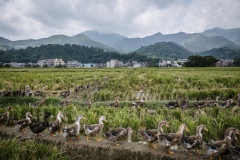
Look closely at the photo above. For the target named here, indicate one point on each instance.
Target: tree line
(69, 52)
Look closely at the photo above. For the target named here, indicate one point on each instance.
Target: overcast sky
(34, 19)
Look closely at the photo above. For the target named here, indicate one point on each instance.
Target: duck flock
(215, 149)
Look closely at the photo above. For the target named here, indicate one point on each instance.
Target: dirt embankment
(80, 149)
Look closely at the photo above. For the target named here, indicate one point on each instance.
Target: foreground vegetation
(13, 149)
(158, 86)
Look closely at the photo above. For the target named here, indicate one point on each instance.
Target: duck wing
(92, 129)
(21, 122)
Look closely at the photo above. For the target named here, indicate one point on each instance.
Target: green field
(157, 85)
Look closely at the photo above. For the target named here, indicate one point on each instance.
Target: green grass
(157, 85)
(13, 149)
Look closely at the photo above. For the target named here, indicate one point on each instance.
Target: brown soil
(93, 150)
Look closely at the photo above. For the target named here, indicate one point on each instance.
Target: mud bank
(80, 149)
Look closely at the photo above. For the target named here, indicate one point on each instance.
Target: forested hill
(165, 50)
(222, 53)
(69, 52)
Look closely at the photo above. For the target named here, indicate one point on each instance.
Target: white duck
(94, 129)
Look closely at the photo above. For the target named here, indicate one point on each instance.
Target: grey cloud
(37, 19)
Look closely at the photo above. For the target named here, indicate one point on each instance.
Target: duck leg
(169, 152)
(116, 144)
(152, 145)
(98, 138)
(196, 151)
(70, 140)
(188, 152)
(87, 138)
(53, 135)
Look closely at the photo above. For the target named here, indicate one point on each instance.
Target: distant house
(114, 63)
(165, 63)
(16, 64)
(51, 62)
(224, 63)
(73, 64)
(87, 65)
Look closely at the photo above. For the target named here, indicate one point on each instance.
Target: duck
(38, 103)
(214, 103)
(119, 134)
(184, 103)
(4, 117)
(65, 102)
(235, 152)
(74, 130)
(56, 125)
(220, 147)
(88, 103)
(194, 141)
(39, 93)
(174, 138)
(18, 92)
(65, 93)
(29, 93)
(138, 103)
(152, 135)
(115, 103)
(172, 104)
(201, 104)
(225, 104)
(39, 127)
(23, 123)
(238, 100)
(94, 129)
(7, 93)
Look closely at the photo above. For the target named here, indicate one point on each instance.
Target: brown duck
(173, 138)
(194, 141)
(5, 116)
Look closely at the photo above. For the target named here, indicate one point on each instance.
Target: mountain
(105, 38)
(196, 42)
(165, 50)
(231, 34)
(78, 39)
(222, 53)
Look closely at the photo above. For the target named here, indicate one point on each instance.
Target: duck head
(28, 114)
(129, 130)
(182, 127)
(101, 119)
(79, 117)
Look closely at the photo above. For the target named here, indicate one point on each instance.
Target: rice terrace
(133, 100)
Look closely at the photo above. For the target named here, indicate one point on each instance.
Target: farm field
(157, 85)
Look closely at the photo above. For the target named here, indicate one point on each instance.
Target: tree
(199, 61)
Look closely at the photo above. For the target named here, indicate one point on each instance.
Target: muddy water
(80, 149)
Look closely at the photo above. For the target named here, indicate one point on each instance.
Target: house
(114, 63)
(224, 63)
(73, 64)
(165, 63)
(51, 62)
(16, 64)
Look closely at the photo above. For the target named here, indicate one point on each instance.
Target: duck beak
(205, 129)
(83, 118)
(187, 129)
(105, 120)
(237, 131)
(167, 125)
(30, 115)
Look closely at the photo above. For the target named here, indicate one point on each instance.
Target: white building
(16, 64)
(114, 63)
(51, 62)
(165, 63)
(73, 64)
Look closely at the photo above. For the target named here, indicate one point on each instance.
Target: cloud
(24, 19)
